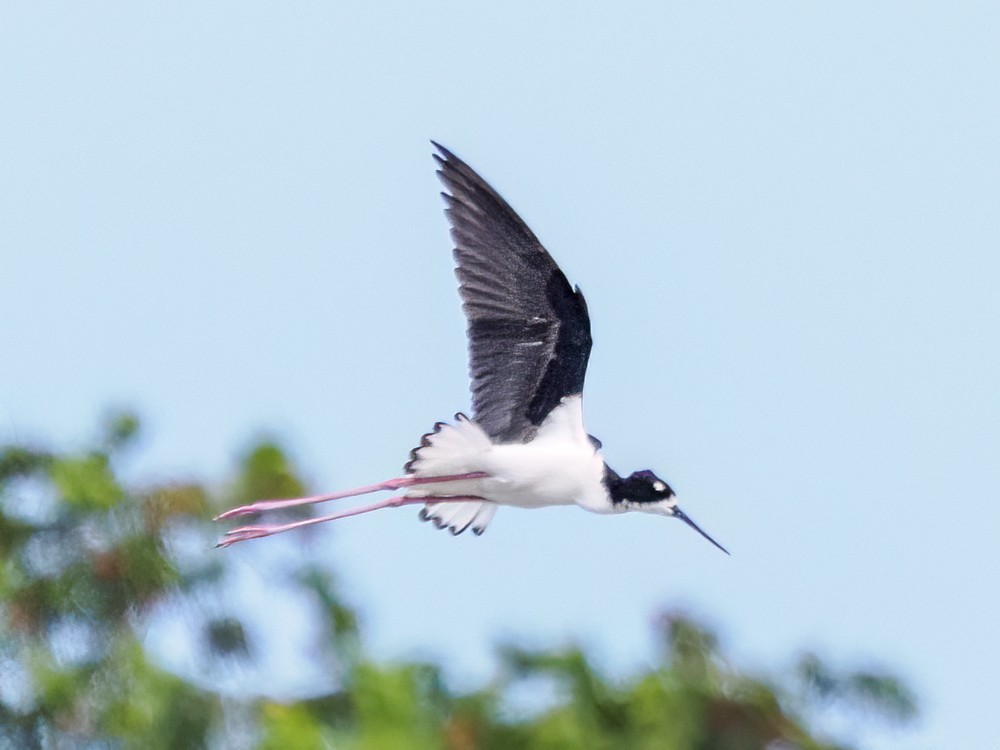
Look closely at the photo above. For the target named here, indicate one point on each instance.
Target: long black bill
(678, 513)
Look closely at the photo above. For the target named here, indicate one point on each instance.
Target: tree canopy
(86, 560)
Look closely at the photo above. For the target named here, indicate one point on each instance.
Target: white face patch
(659, 486)
(658, 508)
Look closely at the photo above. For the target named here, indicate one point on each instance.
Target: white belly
(542, 473)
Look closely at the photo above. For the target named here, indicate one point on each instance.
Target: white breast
(559, 467)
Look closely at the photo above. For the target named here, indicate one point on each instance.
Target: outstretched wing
(529, 331)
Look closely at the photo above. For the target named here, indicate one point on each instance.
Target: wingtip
(442, 149)
(441, 160)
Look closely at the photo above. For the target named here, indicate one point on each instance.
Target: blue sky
(784, 217)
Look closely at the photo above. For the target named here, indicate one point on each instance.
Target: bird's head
(644, 491)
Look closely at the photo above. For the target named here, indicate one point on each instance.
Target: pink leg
(243, 533)
(390, 484)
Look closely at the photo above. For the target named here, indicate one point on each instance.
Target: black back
(529, 331)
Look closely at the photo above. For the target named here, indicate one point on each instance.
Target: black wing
(529, 331)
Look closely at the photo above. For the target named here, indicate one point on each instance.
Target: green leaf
(120, 428)
(86, 482)
(291, 726)
(17, 461)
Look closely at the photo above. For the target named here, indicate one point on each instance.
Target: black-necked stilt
(529, 341)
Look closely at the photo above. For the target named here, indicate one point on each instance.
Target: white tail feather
(457, 517)
(452, 449)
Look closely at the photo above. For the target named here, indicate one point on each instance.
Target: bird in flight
(529, 341)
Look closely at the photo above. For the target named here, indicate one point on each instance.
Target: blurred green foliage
(85, 560)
